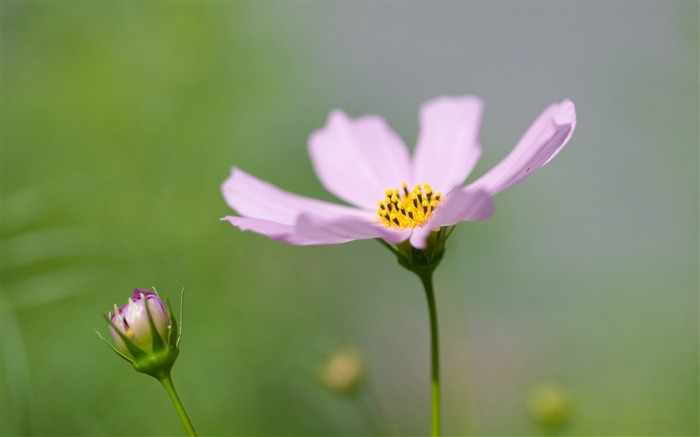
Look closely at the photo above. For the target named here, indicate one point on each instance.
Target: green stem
(170, 388)
(427, 280)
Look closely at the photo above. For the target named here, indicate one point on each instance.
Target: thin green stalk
(170, 388)
(427, 280)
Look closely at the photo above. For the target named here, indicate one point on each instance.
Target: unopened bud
(145, 332)
(131, 319)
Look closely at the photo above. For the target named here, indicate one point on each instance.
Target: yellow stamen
(408, 209)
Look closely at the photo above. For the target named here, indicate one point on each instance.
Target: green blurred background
(120, 120)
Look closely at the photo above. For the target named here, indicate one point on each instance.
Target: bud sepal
(422, 262)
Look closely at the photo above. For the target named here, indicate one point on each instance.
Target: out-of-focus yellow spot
(343, 370)
(550, 406)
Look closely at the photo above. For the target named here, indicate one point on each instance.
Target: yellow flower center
(408, 209)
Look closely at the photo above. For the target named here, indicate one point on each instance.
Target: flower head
(145, 333)
(396, 197)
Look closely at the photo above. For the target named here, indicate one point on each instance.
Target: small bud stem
(170, 388)
(427, 280)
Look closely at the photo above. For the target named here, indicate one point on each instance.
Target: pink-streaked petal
(136, 295)
(357, 160)
(448, 144)
(542, 141)
(254, 198)
(276, 231)
(348, 229)
(460, 205)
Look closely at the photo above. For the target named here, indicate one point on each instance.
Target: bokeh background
(120, 120)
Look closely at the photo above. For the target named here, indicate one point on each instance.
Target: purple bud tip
(138, 292)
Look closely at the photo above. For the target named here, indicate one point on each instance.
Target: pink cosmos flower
(394, 196)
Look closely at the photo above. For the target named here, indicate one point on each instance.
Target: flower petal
(276, 231)
(448, 144)
(254, 198)
(542, 141)
(460, 205)
(347, 229)
(357, 160)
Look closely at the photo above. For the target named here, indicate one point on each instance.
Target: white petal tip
(567, 113)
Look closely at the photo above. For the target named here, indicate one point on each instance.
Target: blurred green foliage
(120, 120)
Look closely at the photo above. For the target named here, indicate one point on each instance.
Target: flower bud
(145, 333)
(133, 321)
